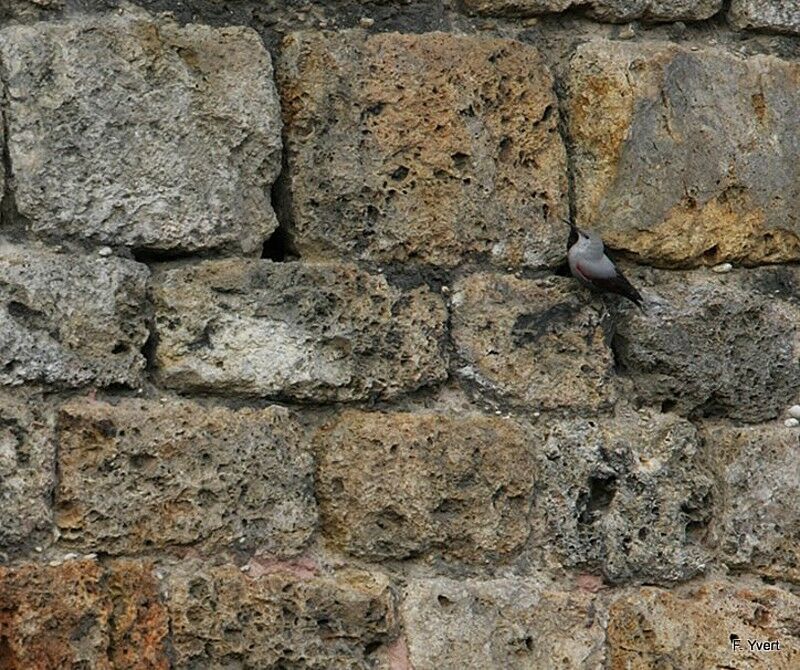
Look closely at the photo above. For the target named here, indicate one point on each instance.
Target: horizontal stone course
(130, 130)
(69, 320)
(302, 331)
(143, 475)
(422, 149)
(603, 10)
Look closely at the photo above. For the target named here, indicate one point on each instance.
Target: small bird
(589, 264)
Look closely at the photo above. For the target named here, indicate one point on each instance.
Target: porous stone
(538, 343)
(758, 525)
(631, 496)
(396, 485)
(604, 10)
(515, 624)
(27, 468)
(82, 614)
(129, 130)
(140, 475)
(422, 148)
(675, 152)
(782, 16)
(220, 615)
(305, 331)
(694, 627)
(715, 345)
(68, 320)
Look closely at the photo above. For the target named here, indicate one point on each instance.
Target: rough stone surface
(396, 485)
(27, 468)
(692, 627)
(536, 343)
(422, 148)
(631, 496)
(295, 330)
(758, 527)
(221, 616)
(68, 320)
(687, 157)
(782, 16)
(715, 345)
(81, 615)
(604, 10)
(140, 475)
(515, 624)
(127, 130)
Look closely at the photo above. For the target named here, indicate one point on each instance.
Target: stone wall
(292, 373)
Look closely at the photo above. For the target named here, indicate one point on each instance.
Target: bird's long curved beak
(572, 226)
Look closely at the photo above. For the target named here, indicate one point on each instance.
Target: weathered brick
(220, 615)
(675, 152)
(134, 131)
(142, 474)
(27, 468)
(82, 615)
(715, 345)
(514, 624)
(425, 148)
(305, 331)
(692, 627)
(68, 320)
(758, 525)
(536, 343)
(630, 496)
(782, 16)
(396, 485)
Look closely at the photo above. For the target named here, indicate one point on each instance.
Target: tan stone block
(422, 148)
(142, 475)
(396, 485)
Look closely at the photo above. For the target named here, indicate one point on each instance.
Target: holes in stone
(198, 588)
(400, 173)
(459, 159)
(528, 643)
(278, 248)
(372, 647)
(140, 461)
(595, 501)
(668, 405)
(444, 601)
(121, 348)
(711, 253)
(8, 659)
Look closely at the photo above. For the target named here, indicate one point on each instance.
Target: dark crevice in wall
(278, 247)
(9, 214)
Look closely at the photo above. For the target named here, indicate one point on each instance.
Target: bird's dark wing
(620, 285)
